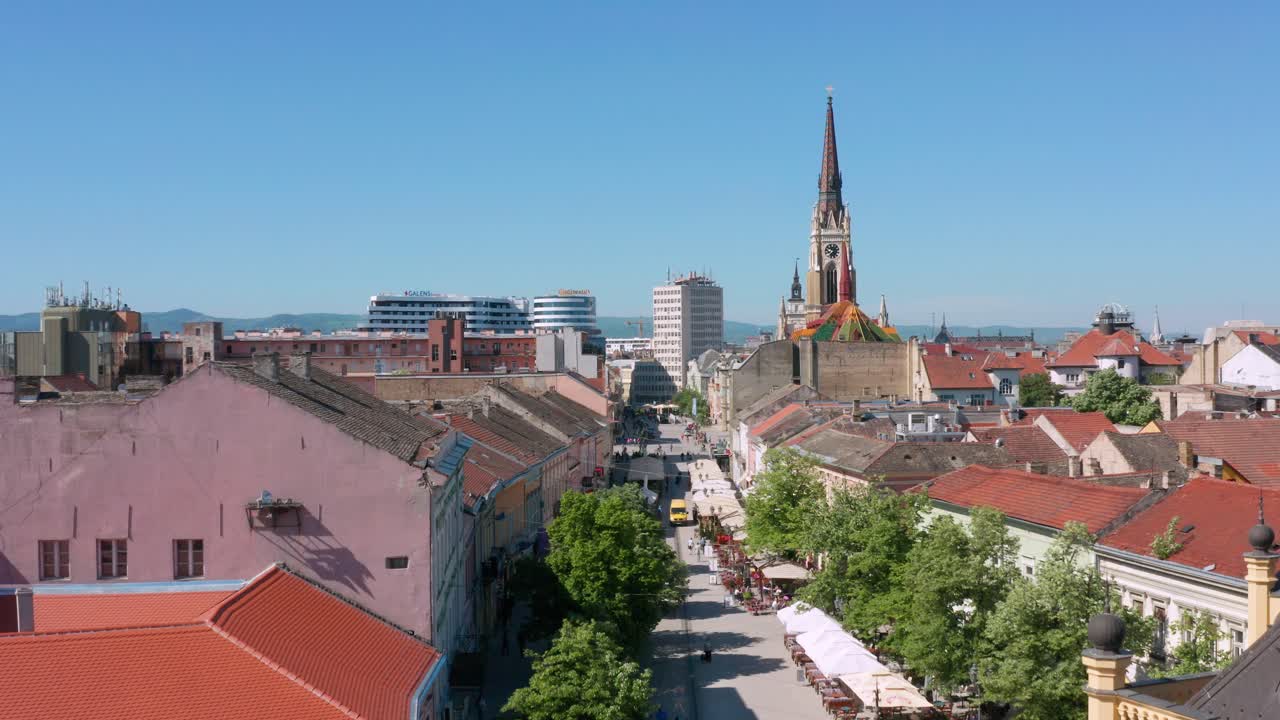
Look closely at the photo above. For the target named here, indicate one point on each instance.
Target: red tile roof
(782, 414)
(1024, 443)
(1085, 351)
(1041, 499)
(1023, 361)
(278, 647)
(59, 613)
(959, 348)
(1077, 428)
(186, 672)
(485, 467)
(351, 656)
(955, 371)
(1265, 338)
(69, 383)
(1251, 446)
(1221, 514)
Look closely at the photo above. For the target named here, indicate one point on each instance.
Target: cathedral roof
(844, 321)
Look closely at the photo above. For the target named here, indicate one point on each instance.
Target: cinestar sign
(416, 293)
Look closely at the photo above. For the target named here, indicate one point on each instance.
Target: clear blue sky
(1020, 162)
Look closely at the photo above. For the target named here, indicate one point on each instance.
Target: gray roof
(561, 413)
(1271, 351)
(843, 450)
(902, 463)
(346, 407)
(1149, 451)
(775, 400)
(1247, 689)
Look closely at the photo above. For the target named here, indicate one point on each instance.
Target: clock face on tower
(833, 251)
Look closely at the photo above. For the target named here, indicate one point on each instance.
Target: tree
(609, 554)
(785, 500)
(1035, 390)
(533, 582)
(1198, 652)
(1037, 633)
(1121, 399)
(951, 582)
(584, 675)
(1166, 543)
(863, 533)
(683, 401)
(1162, 378)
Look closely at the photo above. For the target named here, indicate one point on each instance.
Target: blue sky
(1019, 162)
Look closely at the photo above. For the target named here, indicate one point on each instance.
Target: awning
(802, 617)
(785, 571)
(884, 689)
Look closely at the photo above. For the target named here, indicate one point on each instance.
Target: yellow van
(679, 513)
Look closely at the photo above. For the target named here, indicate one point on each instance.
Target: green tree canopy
(864, 533)
(683, 401)
(584, 676)
(951, 582)
(1035, 390)
(1037, 634)
(1121, 399)
(609, 554)
(533, 582)
(783, 504)
(1198, 652)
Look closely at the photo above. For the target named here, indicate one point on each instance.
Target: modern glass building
(408, 311)
(567, 309)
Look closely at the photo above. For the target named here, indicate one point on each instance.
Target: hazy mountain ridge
(612, 326)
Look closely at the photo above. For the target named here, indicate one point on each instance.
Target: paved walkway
(750, 677)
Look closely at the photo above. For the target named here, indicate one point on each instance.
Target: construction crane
(637, 323)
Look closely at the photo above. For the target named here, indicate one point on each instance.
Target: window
(435, 352)
(228, 349)
(113, 559)
(977, 400)
(190, 355)
(1073, 377)
(1006, 387)
(1237, 640)
(1120, 363)
(1160, 641)
(188, 558)
(397, 562)
(197, 332)
(55, 559)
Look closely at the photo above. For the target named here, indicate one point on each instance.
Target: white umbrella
(801, 617)
(847, 659)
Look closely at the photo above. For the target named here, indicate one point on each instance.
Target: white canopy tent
(847, 659)
(802, 617)
(884, 689)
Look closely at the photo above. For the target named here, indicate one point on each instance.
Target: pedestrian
(690, 544)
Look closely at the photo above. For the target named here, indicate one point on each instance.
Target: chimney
(1075, 466)
(267, 366)
(300, 365)
(1186, 456)
(947, 349)
(1173, 406)
(1253, 338)
(26, 608)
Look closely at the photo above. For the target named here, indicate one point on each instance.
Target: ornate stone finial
(1106, 630)
(1261, 536)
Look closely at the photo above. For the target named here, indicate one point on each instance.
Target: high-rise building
(688, 318)
(410, 310)
(567, 309)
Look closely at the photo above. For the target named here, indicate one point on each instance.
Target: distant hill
(734, 332)
(171, 321)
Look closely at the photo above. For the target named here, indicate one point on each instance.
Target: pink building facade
(171, 488)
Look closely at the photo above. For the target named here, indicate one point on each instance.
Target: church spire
(884, 313)
(1157, 336)
(829, 182)
(796, 291)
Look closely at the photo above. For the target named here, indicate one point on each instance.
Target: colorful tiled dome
(844, 321)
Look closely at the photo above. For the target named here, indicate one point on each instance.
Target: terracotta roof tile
(1251, 446)
(278, 647)
(957, 371)
(58, 613)
(1023, 361)
(1220, 513)
(1085, 351)
(1265, 338)
(1024, 443)
(1077, 428)
(321, 639)
(485, 467)
(1042, 499)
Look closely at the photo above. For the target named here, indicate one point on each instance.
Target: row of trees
(608, 580)
(947, 598)
(1123, 400)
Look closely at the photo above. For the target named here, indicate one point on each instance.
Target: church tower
(830, 251)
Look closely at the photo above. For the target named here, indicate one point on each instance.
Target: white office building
(688, 318)
(566, 309)
(408, 311)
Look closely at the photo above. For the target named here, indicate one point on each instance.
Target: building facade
(567, 309)
(410, 310)
(688, 318)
